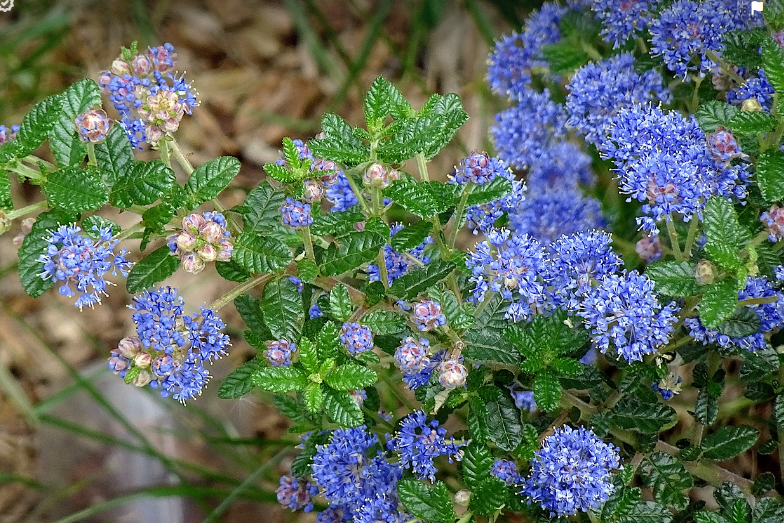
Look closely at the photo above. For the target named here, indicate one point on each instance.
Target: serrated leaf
(342, 409)
(484, 345)
(620, 502)
(232, 271)
(712, 114)
(477, 462)
(351, 377)
(547, 390)
(75, 189)
(718, 303)
(503, 423)
(477, 419)
(384, 322)
(153, 268)
(63, 140)
(114, 155)
(261, 255)
(411, 236)
(768, 510)
(376, 102)
(37, 124)
(336, 223)
(773, 64)
(339, 144)
(350, 251)
(706, 408)
(6, 202)
(740, 512)
(633, 414)
(709, 517)
(778, 412)
(668, 478)
(313, 398)
(770, 175)
(340, 306)
(499, 188)
(728, 442)
(33, 246)
(489, 496)
(721, 222)
(308, 355)
(283, 311)
(307, 270)
(411, 284)
(646, 512)
(290, 408)
(209, 179)
(261, 210)
(743, 322)
(567, 367)
(280, 379)
(328, 341)
(143, 184)
(425, 199)
(249, 309)
(673, 278)
(564, 57)
(428, 502)
(745, 122)
(240, 381)
(449, 110)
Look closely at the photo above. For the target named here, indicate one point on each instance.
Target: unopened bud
(142, 379)
(462, 497)
(141, 65)
(751, 105)
(186, 241)
(142, 360)
(211, 232)
(313, 191)
(207, 252)
(129, 347)
(192, 264)
(225, 251)
(120, 67)
(706, 271)
(193, 222)
(452, 374)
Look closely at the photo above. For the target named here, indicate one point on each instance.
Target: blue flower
(315, 311)
(428, 315)
(82, 262)
(296, 493)
(398, 264)
(412, 356)
(479, 168)
(668, 386)
(356, 338)
(506, 471)
(279, 352)
(562, 165)
(296, 213)
(340, 193)
(571, 472)
(523, 133)
(755, 88)
(481, 218)
(687, 30)
(723, 146)
(624, 310)
(523, 399)
(418, 378)
(419, 442)
(8, 133)
(598, 91)
(621, 19)
(577, 261)
(512, 265)
(551, 213)
(771, 317)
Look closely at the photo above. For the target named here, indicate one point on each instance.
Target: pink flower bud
(154, 134)
(208, 252)
(92, 125)
(142, 360)
(225, 251)
(143, 378)
(193, 222)
(211, 232)
(120, 67)
(452, 374)
(192, 264)
(313, 191)
(141, 65)
(129, 347)
(186, 241)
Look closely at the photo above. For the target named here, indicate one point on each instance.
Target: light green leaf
(283, 311)
(153, 268)
(384, 322)
(209, 179)
(261, 255)
(313, 398)
(280, 379)
(76, 190)
(712, 114)
(351, 377)
(673, 278)
(718, 303)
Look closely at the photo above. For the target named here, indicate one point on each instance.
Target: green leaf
(209, 179)
(563, 57)
(342, 409)
(503, 422)
(722, 228)
(261, 255)
(376, 103)
(770, 175)
(283, 311)
(308, 355)
(261, 210)
(114, 155)
(778, 412)
(428, 502)
(712, 114)
(743, 322)
(673, 278)
(313, 398)
(477, 462)
(350, 251)
(101, 223)
(33, 246)
(709, 517)
(745, 122)
(741, 47)
(706, 409)
(458, 316)
(339, 144)
(646, 512)
(76, 190)
(477, 419)
(328, 341)
(240, 381)
(340, 306)
(489, 496)
(409, 285)
(773, 64)
(63, 139)
(728, 442)
(425, 199)
(6, 202)
(633, 414)
(351, 377)
(153, 268)
(143, 184)
(411, 236)
(249, 309)
(620, 502)
(547, 390)
(668, 478)
(718, 303)
(384, 322)
(307, 270)
(448, 109)
(768, 510)
(231, 271)
(280, 379)
(485, 345)
(336, 223)
(37, 124)
(499, 188)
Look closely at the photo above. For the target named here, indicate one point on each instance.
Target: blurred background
(76, 443)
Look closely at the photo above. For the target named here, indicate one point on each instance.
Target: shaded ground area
(72, 436)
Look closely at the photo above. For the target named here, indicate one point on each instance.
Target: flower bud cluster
(8, 133)
(773, 220)
(479, 168)
(279, 352)
(379, 176)
(356, 338)
(92, 125)
(295, 213)
(428, 315)
(203, 239)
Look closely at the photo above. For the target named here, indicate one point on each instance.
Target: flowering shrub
(584, 358)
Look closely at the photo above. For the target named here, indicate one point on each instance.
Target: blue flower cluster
(621, 19)
(571, 472)
(296, 493)
(412, 356)
(82, 262)
(757, 89)
(279, 352)
(598, 91)
(482, 218)
(398, 264)
(419, 442)
(506, 471)
(550, 213)
(479, 168)
(171, 348)
(295, 213)
(428, 315)
(771, 317)
(356, 338)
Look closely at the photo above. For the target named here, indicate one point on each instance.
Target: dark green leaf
(503, 422)
(76, 190)
(706, 408)
(240, 381)
(38, 123)
(101, 223)
(448, 109)
(633, 414)
(547, 390)
(261, 255)
(411, 284)
(778, 412)
(280, 379)
(768, 510)
(477, 462)
(411, 236)
(63, 140)
(283, 310)
(336, 223)
(743, 322)
(425, 199)
(384, 322)
(430, 503)
(718, 303)
(673, 278)
(668, 478)
(709, 517)
(350, 251)
(620, 502)
(313, 398)
(770, 175)
(153, 268)
(484, 345)
(773, 64)
(232, 271)
(209, 179)
(33, 246)
(712, 114)
(342, 409)
(340, 306)
(339, 144)
(477, 419)
(759, 391)
(249, 309)
(351, 377)
(741, 47)
(499, 188)
(563, 57)
(114, 155)
(728, 442)
(142, 185)
(745, 122)
(489, 496)
(261, 210)
(646, 512)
